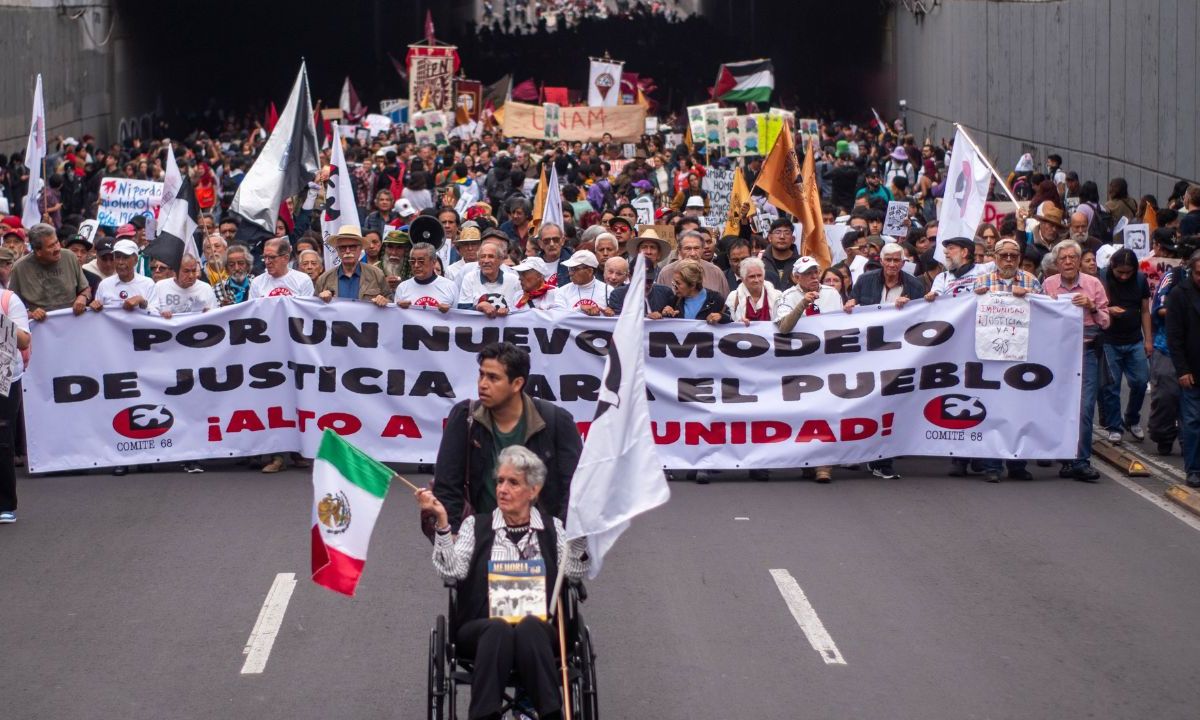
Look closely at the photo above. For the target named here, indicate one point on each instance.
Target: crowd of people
(497, 257)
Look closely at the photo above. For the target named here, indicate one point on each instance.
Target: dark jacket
(660, 296)
(713, 303)
(869, 288)
(1183, 326)
(473, 590)
(466, 459)
(778, 272)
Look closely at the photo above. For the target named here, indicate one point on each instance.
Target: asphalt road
(134, 597)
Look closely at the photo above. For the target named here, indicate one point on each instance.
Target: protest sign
(696, 120)
(1137, 239)
(810, 131)
(8, 351)
(645, 209)
(651, 125)
(395, 109)
(1001, 327)
(583, 124)
(121, 200)
(714, 124)
(742, 137)
(994, 211)
(431, 77)
(377, 124)
(430, 128)
(718, 184)
(629, 150)
(551, 112)
(895, 219)
(1155, 267)
(269, 376)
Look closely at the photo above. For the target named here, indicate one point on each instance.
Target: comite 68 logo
(143, 422)
(955, 412)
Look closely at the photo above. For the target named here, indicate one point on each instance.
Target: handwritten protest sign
(122, 200)
(8, 350)
(584, 124)
(1155, 267)
(1001, 327)
(718, 184)
(895, 219)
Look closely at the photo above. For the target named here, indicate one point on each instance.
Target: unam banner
(625, 123)
(120, 388)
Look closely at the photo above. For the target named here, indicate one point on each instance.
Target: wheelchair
(447, 671)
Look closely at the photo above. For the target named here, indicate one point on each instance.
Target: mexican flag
(744, 82)
(348, 492)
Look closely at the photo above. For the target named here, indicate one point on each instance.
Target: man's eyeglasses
(1008, 256)
(159, 268)
(272, 257)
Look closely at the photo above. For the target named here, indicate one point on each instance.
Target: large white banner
(119, 388)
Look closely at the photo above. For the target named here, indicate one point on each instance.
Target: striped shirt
(992, 282)
(452, 556)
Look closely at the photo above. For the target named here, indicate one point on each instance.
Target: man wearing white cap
(536, 293)
(583, 293)
(125, 287)
(807, 296)
(694, 206)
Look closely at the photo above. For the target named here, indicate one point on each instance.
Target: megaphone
(427, 229)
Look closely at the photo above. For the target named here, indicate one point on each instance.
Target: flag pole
(558, 581)
(987, 162)
(404, 480)
(562, 653)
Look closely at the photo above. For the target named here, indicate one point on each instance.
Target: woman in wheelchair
(516, 530)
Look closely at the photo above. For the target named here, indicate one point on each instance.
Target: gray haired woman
(515, 530)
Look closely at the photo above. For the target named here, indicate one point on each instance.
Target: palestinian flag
(348, 492)
(742, 82)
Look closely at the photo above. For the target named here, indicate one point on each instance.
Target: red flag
(526, 91)
(429, 26)
(272, 117)
(557, 95)
(399, 67)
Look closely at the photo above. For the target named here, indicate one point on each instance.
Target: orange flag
(737, 198)
(780, 175)
(813, 243)
(539, 201)
(1150, 217)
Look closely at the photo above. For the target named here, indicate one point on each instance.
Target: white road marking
(1191, 520)
(806, 618)
(741, 518)
(266, 628)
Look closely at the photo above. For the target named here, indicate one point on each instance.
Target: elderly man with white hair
(606, 247)
(1088, 293)
(616, 271)
(1007, 275)
(888, 285)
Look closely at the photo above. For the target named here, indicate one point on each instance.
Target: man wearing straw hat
(352, 280)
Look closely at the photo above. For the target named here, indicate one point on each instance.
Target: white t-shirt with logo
(427, 295)
(112, 291)
(174, 299)
(294, 283)
(503, 293)
(576, 297)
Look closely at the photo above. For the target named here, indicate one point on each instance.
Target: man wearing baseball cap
(694, 207)
(584, 293)
(535, 291)
(14, 239)
(126, 288)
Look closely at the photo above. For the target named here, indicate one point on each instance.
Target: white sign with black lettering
(1002, 327)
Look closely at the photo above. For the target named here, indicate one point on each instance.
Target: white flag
(604, 83)
(35, 153)
(172, 178)
(619, 474)
(967, 181)
(340, 206)
(552, 212)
